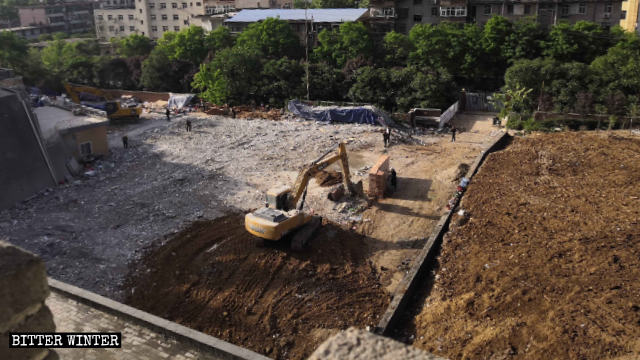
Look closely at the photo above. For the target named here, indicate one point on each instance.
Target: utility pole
(306, 43)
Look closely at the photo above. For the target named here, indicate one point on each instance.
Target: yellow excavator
(115, 109)
(283, 216)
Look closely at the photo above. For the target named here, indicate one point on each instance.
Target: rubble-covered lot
(547, 264)
(90, 230)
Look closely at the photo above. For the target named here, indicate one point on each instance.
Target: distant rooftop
(315, 15)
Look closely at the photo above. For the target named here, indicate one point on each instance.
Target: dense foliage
(580, 68)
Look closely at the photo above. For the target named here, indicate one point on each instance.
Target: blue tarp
(360, 115)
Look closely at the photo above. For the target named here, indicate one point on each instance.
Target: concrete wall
(24, 168)
(23, 290)
(97, 136)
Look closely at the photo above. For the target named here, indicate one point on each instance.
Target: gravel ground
(89, 231)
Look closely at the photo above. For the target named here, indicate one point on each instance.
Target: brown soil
(216, 278)
(328, 178)
(547, 265)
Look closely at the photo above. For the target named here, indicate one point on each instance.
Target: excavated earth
(547, 265)
(217, 278)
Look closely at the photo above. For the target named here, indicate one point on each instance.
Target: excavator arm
(318, 165)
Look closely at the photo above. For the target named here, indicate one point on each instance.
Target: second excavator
(283, 215)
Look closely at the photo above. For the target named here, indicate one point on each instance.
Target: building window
(582, 8)
(417, 18)
(434, 11)
(623, 14)
(198, 4)
(190, 4)
(453, 11)
(186, 22)
(154, 28)
(85, 148)
(403, 13)
(174, 5)
(607, 8)
(564, 10)
(165, 28)
(120, 17)
(527, 9)
(487, 10)
(130, 17)
(184, 5)
(417, 2)
(141, 22)
(140, 11)
(121, 27)
(510, 9)
(152, 5)
(176, 28)
(153, 17)
(163, 5)
(111, 28)
(99, 17)
(132, 28)
(109, 17)
(164, 17)
(176, 17)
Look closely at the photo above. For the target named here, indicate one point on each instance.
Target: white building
(151, 18)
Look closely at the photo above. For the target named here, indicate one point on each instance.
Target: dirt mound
(547, 266)
(216, 278)
(328, 178)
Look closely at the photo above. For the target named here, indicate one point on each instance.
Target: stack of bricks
(378, 177)
(23, 290)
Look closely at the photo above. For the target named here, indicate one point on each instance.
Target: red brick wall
(378, 177)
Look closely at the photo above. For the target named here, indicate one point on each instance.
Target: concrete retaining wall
(208, 343)
(24, 162)
(407, 286)
(23, 290)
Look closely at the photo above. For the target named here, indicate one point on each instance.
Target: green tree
(326, 82)
(336, 47)
(219, 39)
(454, 47)
(273, 37)
(618, 70)
(134, 45)
(13, 50)
(281, 80)
(582, 41)
(397, 48)
(187, 45)
(231, 77)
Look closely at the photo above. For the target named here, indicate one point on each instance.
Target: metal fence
(479, 101)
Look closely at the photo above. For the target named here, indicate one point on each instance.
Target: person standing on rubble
(125, 142)
(188, 125)
(386, 136)
(453, 133)
(168, 113)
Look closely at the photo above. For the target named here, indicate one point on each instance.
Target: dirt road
(214, 277)
(547, 265)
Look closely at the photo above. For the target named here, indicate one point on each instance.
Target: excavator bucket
(302, 236)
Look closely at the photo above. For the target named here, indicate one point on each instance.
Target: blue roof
(317, 15)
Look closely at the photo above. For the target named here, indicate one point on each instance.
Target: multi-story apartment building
(547, 12)
(151, 18)
(69, 17)
(630, 10)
